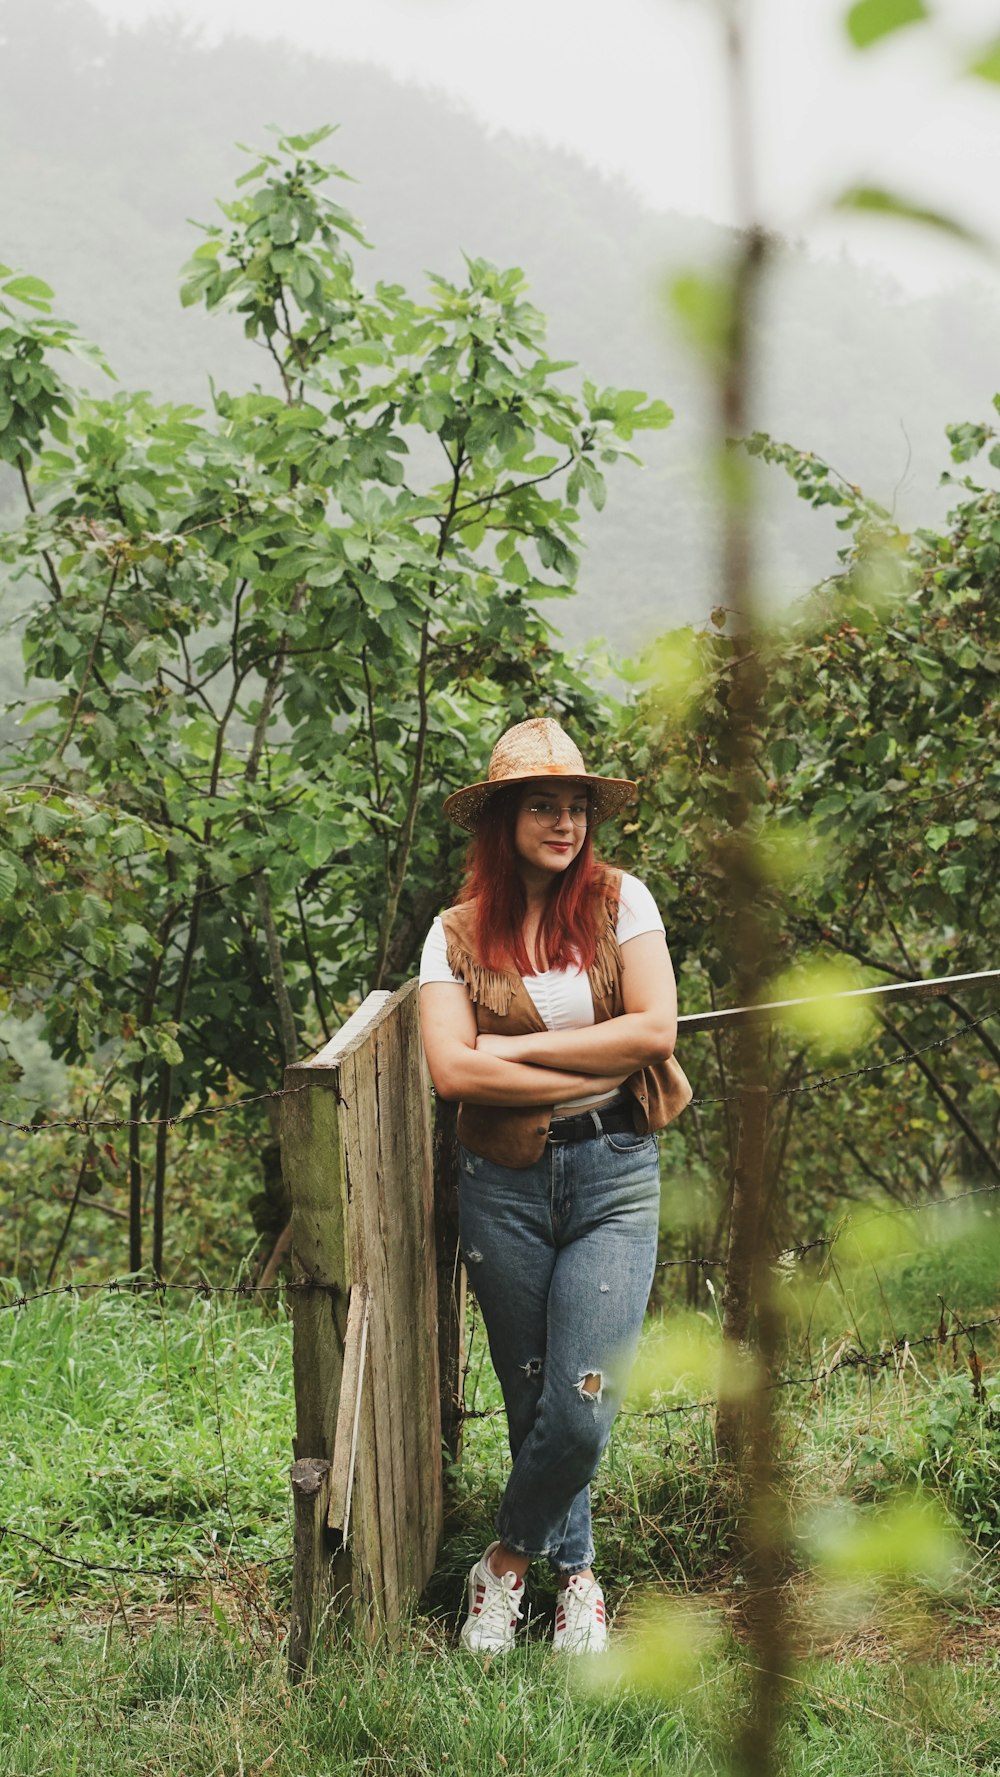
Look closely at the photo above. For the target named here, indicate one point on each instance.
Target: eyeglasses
(547, 814)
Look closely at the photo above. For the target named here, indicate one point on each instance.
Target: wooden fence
(379, 1341)
(367, 1477)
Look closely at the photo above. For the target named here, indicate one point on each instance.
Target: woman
(548, 1008)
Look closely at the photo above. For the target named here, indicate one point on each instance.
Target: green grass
(78, 1703)
(152, 1436)
(143, 1435)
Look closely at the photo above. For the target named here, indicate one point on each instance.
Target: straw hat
(538, 748)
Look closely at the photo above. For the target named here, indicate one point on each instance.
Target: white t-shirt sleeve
(637, 911)
(434, 957)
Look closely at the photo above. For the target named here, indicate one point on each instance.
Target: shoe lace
(579, 1601)
(500, 1601)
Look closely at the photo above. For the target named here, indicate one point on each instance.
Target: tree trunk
(135, 1173)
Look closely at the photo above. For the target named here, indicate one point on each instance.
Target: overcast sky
(635, 87)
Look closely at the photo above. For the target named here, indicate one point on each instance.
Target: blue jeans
(561, 1257)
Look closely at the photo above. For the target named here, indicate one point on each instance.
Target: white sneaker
(494, 1608)
(581, 1620)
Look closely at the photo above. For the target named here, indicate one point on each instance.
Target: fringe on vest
(605, 971)
(490, 988)
(493, 989)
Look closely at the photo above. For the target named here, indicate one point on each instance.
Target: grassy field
(92, 1700)
(156, 1437)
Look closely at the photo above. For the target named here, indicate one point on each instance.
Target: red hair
(571, 919)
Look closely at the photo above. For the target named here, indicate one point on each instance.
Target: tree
(278, 632)
(879, 788)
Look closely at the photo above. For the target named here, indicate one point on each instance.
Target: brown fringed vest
(515, 1135)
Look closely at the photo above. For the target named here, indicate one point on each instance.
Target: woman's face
(546, 836)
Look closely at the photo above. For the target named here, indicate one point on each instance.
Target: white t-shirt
(562, 997)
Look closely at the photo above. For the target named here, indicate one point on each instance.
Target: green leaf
(127, 841)
(303, 279)
(829, 806)
(593, 482)
(875, 200)
(986, 65)
(870, 20)
(784, 756)
(30, 290)
(302, 144)
(704, 307)
(316, 839)
(953, 878)
(877, 748)
(8, 878)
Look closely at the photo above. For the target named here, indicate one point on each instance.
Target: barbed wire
(243, 1288)
(857, 1073)
(870, 1361)
(207, 1110)
(154, 1286)
(218, 1110)
(787, 1252)
(880, 1360)
(829, 1240)
(165, 1573)
(849, 1360)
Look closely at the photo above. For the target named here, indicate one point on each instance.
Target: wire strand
(164, 1573)
(857, 1073)
(221, 1110)
(151, 1286)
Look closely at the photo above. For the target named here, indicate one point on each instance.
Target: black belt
(587, 1124)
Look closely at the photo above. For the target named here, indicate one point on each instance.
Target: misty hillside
(111, 141)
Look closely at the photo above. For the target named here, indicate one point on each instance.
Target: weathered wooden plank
(384, 1231)
(418, 1185)
(312, 1166)
(353, 1033)
(403, 1310)
(362, 1154)
(366, 1538)
(345, 1444)
(311, 1577)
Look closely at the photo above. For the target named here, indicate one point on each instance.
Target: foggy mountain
(111, 141)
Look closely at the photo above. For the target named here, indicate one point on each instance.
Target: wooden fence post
(312, 1163)
(367, 1480)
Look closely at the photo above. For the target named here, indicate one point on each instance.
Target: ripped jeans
(561, 1257)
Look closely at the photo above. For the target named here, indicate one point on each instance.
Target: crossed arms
(553, 1066)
